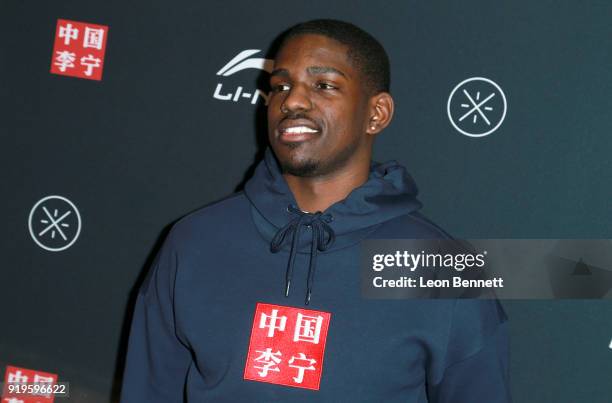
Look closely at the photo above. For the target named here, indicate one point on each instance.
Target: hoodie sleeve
(476, 364)
(157, 361)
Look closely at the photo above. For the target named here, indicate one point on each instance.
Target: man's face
(317, 112)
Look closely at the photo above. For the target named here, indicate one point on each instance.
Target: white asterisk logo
(54, 223)
(476, 107)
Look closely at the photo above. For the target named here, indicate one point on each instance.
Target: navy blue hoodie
(196, 310)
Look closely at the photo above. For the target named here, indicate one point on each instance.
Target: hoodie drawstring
(322, 238)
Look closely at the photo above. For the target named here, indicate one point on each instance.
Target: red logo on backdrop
(79, 49)
(287, 346)
(16, 375)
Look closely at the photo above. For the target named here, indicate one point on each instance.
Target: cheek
(338, 117)
(345, 121)
(274, 103)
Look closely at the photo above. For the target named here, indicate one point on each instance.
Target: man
(232, 311)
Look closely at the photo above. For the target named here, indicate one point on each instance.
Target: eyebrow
(312, 70)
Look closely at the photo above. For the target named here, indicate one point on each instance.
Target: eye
(325, 86)
(280, 87)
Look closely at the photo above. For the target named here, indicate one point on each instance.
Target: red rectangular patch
(287, 346)
(79, 49)
(16, 375)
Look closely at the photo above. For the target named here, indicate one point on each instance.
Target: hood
(389, 192)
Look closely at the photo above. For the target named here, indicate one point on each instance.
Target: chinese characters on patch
(287, 346)
(79, 49)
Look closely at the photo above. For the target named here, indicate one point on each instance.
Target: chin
(301, 167)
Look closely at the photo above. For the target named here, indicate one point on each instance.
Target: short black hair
(364, 51)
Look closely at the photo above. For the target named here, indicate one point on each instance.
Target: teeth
(299, 130)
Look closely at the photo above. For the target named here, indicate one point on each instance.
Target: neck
(314, 194)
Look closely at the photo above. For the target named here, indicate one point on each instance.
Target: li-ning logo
(287, 346)
(243, 61)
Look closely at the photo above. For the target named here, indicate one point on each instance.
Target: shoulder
(410, 226)
(213, 217)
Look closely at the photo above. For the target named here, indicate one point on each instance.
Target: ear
(380, 109)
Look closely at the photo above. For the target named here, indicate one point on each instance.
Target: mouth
(297, 131)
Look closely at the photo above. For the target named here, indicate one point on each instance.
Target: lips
(297, 130)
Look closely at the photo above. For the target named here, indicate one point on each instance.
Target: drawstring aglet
(287, 288)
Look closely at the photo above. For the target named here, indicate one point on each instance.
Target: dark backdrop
(150, 143)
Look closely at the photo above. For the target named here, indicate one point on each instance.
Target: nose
(297, 99)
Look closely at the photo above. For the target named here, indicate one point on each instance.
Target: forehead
(307, 50)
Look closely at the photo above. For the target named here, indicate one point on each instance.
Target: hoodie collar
(389, 192)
